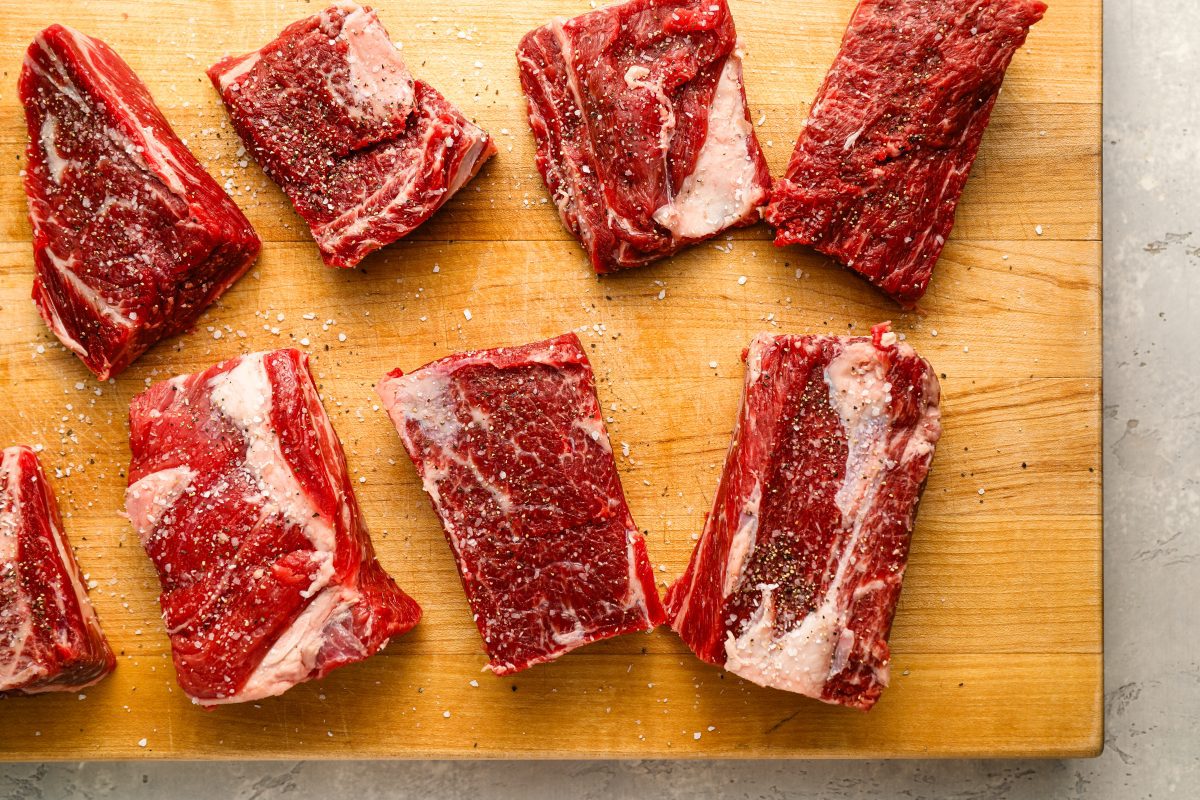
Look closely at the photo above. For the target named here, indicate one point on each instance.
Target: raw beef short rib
(50, 638)
(239, 492)
(795, 579)
(643, 133)
(132, 239)
(364, 152)
(513, 453)
(882, 161)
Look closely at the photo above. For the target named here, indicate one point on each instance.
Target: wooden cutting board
(997, 643)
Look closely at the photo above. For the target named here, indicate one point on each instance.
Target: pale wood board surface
(997, 646)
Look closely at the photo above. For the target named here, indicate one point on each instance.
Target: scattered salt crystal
(712, 365)
(304, 342)
(142, 742)
(742, 281)
(446, 714)
(475, 683)
(1037, 229)
(467, 313)
(217, 334)
(341, 337)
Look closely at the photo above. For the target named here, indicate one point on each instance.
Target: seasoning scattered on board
(332, 114)
(882, 161)
(795, 579)
(239, 492)
(512, 450)
(643, 134)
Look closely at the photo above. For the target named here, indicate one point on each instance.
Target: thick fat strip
(240, 494)
(50, 637)
(379, 80)
(883, 158)
(794, 582)
(243, 394)
(642, 127)
(724, 188)
(511, 449)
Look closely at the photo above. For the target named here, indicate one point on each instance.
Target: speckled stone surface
(1152, 506)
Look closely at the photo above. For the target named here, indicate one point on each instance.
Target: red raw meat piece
(240, 494)
(364, 152)
(889, 142)
(643, 133)
(50, 638)
(132, 239)
(513, 453)
(795, 579)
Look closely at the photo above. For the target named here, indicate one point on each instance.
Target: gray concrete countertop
(1152, 508)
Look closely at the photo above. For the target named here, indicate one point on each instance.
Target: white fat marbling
(15, 668)
(243, 395)
(803, 658)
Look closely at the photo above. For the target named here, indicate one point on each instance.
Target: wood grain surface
(997, 644)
